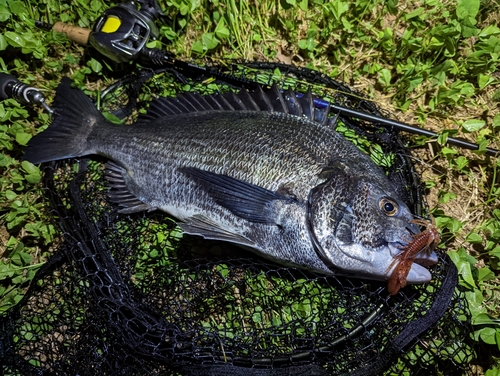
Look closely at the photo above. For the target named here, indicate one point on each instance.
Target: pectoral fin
(245, 200)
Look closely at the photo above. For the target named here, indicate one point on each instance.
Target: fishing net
(129, 294)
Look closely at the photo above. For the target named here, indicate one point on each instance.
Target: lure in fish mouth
(266, 171)
(370, 229)
(419, 250)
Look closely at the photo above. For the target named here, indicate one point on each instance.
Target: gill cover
(356, 228)
(329, 215)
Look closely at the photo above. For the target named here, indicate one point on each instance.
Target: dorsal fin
(321, 115)
(199, 102)
(235, 102)
(187, 103)
(307, 104)
(223, 103)
(292, 102)
(274, 100)
(183, 104)
(159, 108)
(214, 102)
(248, 100)
(262, 100)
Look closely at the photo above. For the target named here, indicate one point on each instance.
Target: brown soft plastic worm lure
(426, 241)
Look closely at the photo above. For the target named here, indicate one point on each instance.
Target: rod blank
(411, 128)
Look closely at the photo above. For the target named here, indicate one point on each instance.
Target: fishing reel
(122, 32)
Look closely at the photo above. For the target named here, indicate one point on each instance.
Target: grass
(431, 63)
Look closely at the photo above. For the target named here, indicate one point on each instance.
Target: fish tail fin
(73, 120)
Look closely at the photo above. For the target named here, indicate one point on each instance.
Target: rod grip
(74, 33)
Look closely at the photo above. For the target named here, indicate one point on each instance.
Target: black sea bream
(266, 171)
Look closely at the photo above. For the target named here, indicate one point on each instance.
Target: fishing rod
(122, 32)
(11, 87)
(404, 127)
(411, 129)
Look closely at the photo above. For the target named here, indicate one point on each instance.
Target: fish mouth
(418, 272)
(427, 259)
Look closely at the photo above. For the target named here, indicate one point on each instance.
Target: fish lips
(418, 272)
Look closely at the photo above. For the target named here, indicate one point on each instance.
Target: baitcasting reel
(122, 32)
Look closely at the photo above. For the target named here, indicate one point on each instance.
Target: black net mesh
(129, 294)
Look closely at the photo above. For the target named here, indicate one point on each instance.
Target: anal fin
(119, 192)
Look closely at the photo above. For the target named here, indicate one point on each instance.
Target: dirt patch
(4, 238)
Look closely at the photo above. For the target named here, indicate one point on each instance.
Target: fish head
(358, 226)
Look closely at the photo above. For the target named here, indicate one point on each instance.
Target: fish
(265, 170)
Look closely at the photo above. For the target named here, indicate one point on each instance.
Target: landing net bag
(130, 295)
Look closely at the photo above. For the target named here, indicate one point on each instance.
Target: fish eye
(388, 206)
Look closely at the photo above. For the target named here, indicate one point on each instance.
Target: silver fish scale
(271, 150)
(275, 151)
